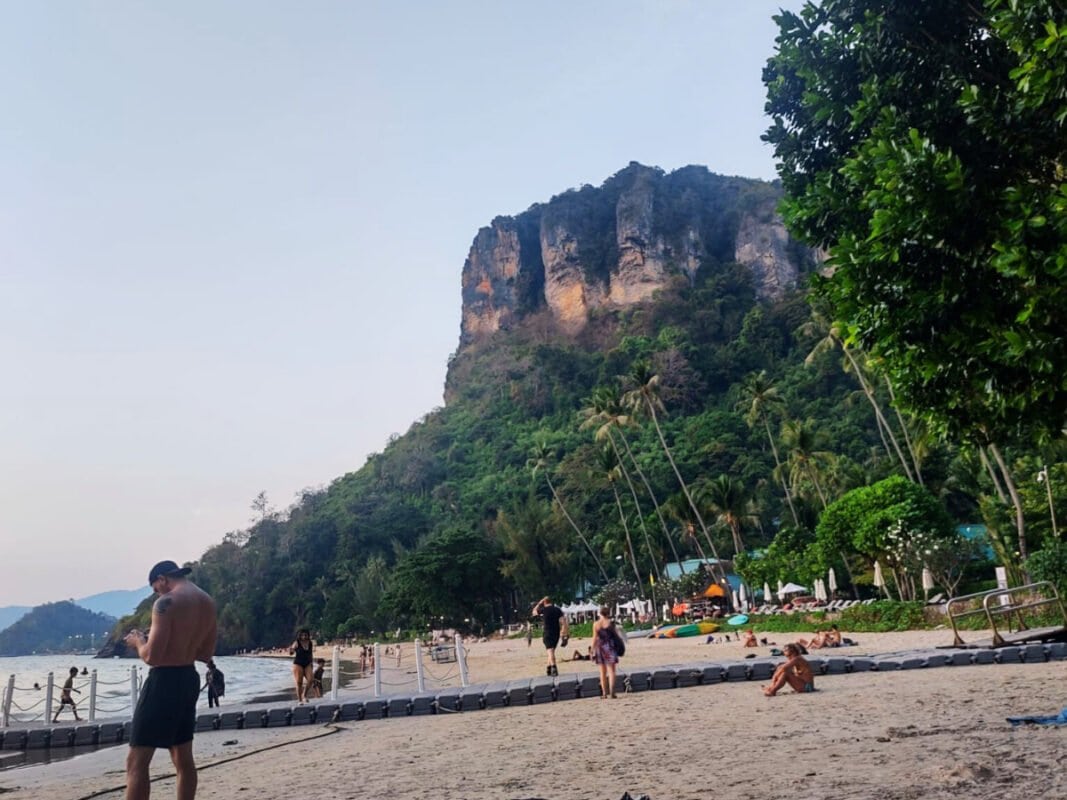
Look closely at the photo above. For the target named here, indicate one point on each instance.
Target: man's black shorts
(166, 708)
(550, 640)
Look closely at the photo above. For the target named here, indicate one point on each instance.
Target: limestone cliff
(615, 245)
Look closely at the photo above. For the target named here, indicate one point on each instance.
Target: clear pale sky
(231, 234)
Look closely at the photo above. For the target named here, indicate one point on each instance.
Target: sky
(232, 233)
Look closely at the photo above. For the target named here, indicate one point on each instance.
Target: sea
(247, 678)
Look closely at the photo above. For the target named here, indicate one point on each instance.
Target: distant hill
(12, 614)
(55, 628)
(117, 603)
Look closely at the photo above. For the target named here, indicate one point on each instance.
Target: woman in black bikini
(302, 650)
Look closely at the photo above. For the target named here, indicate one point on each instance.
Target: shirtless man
(796, 671)
(183, 631)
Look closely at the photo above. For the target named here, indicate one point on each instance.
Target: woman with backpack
(608, 646)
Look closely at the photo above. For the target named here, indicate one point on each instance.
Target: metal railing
(1006, 608)
(11, 711)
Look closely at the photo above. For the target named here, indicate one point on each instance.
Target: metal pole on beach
(420, 676)
(92, 697)
(335, 672)
(49, 690)
(9, 693)
(461, 657)
(377, 670)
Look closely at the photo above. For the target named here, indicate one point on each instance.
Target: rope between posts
(330, 730)
(125, 682)
(27, 689)
(27, 708)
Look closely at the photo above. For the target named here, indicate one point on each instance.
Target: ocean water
(246, 679)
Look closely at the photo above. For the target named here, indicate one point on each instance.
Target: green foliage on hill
(61, 627)
(702, 422)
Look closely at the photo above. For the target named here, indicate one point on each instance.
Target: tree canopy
(922, 145)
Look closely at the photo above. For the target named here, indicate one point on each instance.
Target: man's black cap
(166, 568)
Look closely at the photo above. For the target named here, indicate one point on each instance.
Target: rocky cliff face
(616, 245)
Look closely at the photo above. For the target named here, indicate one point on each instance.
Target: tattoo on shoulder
(163, 604)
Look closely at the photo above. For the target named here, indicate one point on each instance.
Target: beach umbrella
(743, 594)
(793, 588)
(736, 603)
(879, 580)
(819, 590)
(781, 592)
(766, 592)
(928, 581)
(832, 580)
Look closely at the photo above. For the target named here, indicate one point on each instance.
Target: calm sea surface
(246, 678)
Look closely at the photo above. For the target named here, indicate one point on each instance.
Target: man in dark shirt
(553, 628)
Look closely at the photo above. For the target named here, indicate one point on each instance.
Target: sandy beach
(935, 733)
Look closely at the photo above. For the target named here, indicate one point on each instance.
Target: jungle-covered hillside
(702, 422)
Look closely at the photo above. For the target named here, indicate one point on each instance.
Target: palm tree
(609, 465)
(541, 458)
(606, 410)
(729, 500)
(759, 396)
(802, 440)
(833, 340)
(677, 508)
(644, 398)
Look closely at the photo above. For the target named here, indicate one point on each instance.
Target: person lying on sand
(796, 671)
(578, 655)
(820, 639)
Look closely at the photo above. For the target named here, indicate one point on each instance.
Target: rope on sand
(330, 730)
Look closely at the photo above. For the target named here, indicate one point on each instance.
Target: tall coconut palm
(644, 398)
(803, 442)
(605, 412)
(728, 499)
(609, 466)
(539, 462)
(832, 340)
(677, 508)
(758, 398)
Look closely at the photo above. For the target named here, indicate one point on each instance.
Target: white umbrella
(737, 605)
(832, 581)
(928, 581)
(819, 594)
(781, 592)
(743, 594)
(766, 592)
(879, 581)
(793, 588)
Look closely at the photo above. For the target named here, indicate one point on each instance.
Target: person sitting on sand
(796, 671)
(833, 637)
(750, 639)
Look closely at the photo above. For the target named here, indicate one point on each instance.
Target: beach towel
(1059, 719)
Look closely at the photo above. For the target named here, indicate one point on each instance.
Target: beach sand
(936, 733)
